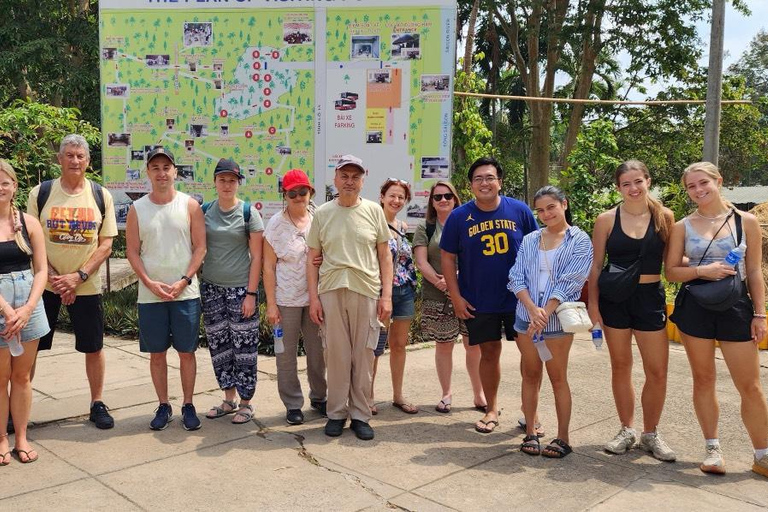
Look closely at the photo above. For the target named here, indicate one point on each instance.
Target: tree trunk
(468, 49)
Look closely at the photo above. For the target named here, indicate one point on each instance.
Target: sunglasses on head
(396, 180)
(303, 191)
(439, 197)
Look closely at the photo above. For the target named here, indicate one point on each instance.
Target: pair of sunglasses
(300, 192)
(439, 197)
(396, 180)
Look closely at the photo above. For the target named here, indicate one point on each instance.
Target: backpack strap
(206, 206)
(42, 195)
(247, 217)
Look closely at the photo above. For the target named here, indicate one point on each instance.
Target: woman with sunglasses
(229, 292)
(395, 194)
(438, 323)
(285, 285)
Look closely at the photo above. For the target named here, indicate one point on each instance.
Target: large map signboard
(277, 85)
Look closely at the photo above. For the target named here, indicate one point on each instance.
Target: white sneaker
(624, 440)
(761, 466)
(653, 443)
(713, 461)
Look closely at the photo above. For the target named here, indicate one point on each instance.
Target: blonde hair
(660, 221)
(18, 234)
(431, 211)
(711, 171)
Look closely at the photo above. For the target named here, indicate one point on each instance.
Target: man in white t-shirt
(352, 287)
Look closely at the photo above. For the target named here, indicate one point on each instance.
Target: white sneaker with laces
(654, 444)
(761, 466)
(624, 440)
(713, 460)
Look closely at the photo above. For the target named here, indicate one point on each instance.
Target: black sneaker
(100, 416)
(334, 428)
(163, 416)
(295, 417)
(362, 430)
(319, 407)
(189, 417)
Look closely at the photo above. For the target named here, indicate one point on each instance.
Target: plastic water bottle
(279, 345)
(15, 347)
(541, 346)
(597, 336)
(734, 257)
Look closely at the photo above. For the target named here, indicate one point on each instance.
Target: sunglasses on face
(297, 192)
(439, 197)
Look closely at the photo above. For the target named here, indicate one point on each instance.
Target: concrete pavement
(427, 461)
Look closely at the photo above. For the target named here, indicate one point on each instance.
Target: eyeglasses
(484, 179)
(439, 197)
(396, 180)
(303, 191)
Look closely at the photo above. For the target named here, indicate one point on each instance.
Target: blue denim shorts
(162, 324)
(521, 326)
(15, 288)
(402, 302)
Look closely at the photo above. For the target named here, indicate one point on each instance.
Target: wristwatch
(83, 275)
(187, 279)
(253, 294)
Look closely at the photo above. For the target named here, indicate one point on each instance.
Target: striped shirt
(570, 267)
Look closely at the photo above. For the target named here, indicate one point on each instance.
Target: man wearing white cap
(352, 287)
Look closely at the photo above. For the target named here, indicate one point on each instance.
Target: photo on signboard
(283, 149)
(192, 65)
(189, 144)
(147, 149)
(118, 90)
(435, 83)
(373, 137)
(218, 66)
(224, 130)
(405, 45)
(198, 34)
(297, 32)
(137, 154)
(118, 139)
(379, 76)
(252, 172)
(417, 211)
(365, 47)
(132, 174)
(108, 53)
(436, 167)
(157, 61)
(170, 123)
(217, 83)
(185, 173)
(198, 130)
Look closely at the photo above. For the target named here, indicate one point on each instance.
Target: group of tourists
(342, 278)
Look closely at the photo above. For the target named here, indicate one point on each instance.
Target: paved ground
(429, 461)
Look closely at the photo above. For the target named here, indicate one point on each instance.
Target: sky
(739, 31)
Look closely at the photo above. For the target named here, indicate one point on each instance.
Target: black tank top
(13, 259)
(624, 250)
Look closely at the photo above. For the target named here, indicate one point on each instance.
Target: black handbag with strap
(722, 294)
(617, 284)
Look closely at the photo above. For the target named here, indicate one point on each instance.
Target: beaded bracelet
(755, 315)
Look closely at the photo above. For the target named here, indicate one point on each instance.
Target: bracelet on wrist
(759, 315)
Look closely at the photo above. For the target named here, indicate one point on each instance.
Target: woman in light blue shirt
(551, 268)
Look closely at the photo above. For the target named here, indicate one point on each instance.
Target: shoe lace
(713, 451)
(100, 408)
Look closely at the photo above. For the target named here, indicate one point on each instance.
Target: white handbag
(573, 317)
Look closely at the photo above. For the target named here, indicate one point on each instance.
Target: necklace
(710, 219)
(298, 229)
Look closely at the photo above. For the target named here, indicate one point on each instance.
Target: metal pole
(714, 84)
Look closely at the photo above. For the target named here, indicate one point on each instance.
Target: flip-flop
(30, 459)
(444, 406)
(486, 429)
(2, 458)
(537, 427)
(406, 407)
